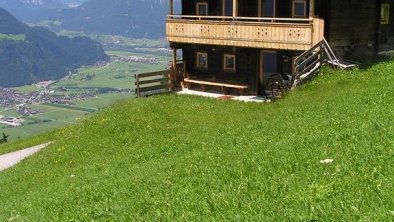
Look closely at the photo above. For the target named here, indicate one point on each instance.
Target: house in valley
(240, 45)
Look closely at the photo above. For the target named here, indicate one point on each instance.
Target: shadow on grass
(366, 63)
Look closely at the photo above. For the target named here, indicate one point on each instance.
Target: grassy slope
(20, 37)
(188, 158)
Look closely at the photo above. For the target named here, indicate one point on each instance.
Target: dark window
(385, 14)
(299, 8)
(202, 60)
(269, 8)
(228, 7)
(202, 8)
(269, 63)
(229, 63)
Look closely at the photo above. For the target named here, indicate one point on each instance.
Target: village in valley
(12, 98)
(51, 104)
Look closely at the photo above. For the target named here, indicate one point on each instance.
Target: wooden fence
(152, 83)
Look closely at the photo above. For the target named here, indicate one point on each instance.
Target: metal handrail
(232, 18)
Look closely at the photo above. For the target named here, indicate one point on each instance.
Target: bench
(203, 84)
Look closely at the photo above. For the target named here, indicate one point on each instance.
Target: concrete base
(258, 99)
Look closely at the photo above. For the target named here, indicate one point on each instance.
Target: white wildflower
(326, 161)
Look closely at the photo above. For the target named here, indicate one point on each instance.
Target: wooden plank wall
(386, 35)
(246, 64)
(352, 27)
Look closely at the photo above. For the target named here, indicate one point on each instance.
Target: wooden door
(268, 66)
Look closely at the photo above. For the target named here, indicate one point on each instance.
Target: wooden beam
(259, 5)
(235, 8)
(171, 7)
(223, 12)
(174, 57)
(311, 8)
(173, 74)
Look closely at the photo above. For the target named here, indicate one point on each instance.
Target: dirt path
(11, 159)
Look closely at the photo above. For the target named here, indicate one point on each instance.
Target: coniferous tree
(4, 139)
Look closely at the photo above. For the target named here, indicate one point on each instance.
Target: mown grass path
(11, 159)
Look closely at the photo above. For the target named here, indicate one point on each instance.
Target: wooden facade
(351, 26)
(354, 27)
(386, 26)
(244, 42)
(302, 34)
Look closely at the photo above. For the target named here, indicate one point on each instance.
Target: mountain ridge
(37, 54)
(26, 9)
(131, 18)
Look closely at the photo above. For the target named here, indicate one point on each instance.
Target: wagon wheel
(275, 84)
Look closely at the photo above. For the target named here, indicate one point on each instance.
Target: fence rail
(310, 62)
(241, 19)
(152, 83)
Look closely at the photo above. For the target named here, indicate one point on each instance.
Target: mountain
(131, 18)
(29, 55)
(73, 2)
(26, 9)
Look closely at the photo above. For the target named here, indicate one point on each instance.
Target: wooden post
(184, 75)
(235, 8)
(311, 8)
(171, 7)
(259, 5)
(321, 53)
(138, 84)
(174, 69)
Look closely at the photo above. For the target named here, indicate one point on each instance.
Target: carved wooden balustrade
(267, 33)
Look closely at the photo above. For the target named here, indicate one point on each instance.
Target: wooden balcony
(264, 33)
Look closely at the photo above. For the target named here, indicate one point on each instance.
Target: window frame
(198, 64)
(225, 68)
(385, 14)
(198, 8)
(294, 9)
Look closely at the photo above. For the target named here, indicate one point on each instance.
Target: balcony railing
(267, 33)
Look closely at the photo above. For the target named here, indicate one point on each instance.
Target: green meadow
(18, 37)
(27, 88)
(322, 153)
(115, 74)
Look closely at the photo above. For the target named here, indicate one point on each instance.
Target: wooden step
(343, 64)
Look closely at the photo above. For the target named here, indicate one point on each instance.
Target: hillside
(27, 9)
(29, 55)
(181, 158)
(131, 18)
